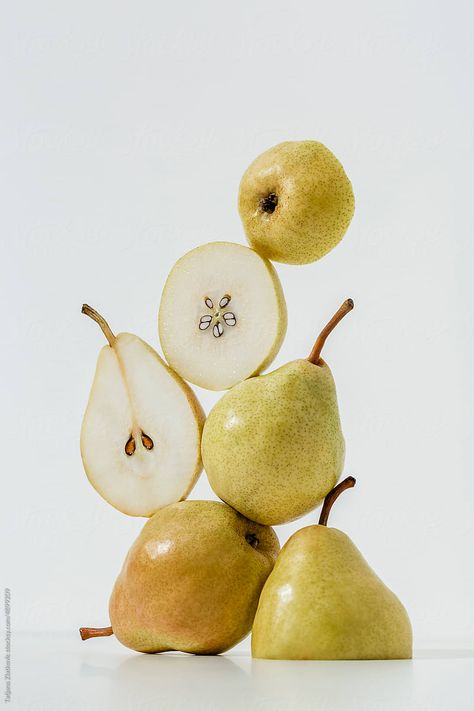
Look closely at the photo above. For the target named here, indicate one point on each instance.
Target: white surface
(125, 130)
(61, 672)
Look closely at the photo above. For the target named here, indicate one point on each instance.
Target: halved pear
(141, 433)
(222, 315)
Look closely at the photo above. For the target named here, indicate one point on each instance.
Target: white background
(125, 130)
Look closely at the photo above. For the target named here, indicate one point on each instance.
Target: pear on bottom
(191, 580)
(141, 432)
(323, 601)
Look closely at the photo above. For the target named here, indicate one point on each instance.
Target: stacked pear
(273, 447)
(191, 581)
(201, 573)
(222, 315)
(141, 432)
(296, 202)
(323, 601)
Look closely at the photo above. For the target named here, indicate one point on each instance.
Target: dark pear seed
(208, 303)
(130, 446)
(252, 540)
(205, 322)
(229, 318)
(218, 330)
(224, 301)
(147, 441)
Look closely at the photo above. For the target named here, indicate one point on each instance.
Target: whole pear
(295, 202)
(272, 446)
(323, 601)
(191, 581)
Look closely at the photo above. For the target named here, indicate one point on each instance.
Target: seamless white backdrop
(125, 130)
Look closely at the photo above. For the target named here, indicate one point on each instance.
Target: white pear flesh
(217, 346)
(136, 395)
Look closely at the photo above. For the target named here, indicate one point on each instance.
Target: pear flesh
(296, 202)
(192, 580)
(141, 432)
(273, 446)
(222, 315)
(323, 601)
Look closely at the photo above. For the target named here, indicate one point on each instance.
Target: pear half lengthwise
(141, 432)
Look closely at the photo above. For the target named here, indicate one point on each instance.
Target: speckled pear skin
(315, 202)
(191, 581)
(272, 446)
(323, 601)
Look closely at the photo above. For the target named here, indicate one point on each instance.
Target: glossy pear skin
(315, 202)
(191, 580)
(273, 447)
(323, 601)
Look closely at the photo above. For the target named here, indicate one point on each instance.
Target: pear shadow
(147, 682)
(443, 654)
(336, 685)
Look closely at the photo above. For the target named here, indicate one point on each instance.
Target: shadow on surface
(444, 654)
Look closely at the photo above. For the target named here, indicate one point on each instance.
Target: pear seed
(147, 441)
(229, 318)
(205, 322)
(218, 330)
(130, 446)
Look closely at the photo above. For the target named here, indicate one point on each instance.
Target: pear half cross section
(141, 433)
(222, 315)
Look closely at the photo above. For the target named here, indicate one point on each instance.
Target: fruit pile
(202, 574)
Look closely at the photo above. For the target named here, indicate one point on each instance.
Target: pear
(295, 202)
(272, 447)
(222, 315)
(191, 580)
(141, 433)
(323, 601)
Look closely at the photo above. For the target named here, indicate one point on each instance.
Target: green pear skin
(272, 446)
(192, 579)
(323, 601)
(296, 202)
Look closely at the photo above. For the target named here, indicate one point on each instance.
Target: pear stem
(95, 316)
(315, 355)
(88, 632)
(332, 496)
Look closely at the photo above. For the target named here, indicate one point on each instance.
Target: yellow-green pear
(191, 580)
(295, 202)
(323, 601)
(272, 447)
